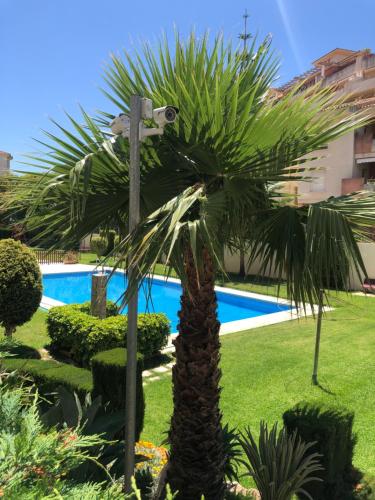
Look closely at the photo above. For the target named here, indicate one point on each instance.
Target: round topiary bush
(20, 284)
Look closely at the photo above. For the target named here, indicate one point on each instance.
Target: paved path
(157, 373)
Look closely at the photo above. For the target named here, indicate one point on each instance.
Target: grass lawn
(33, 333)
(268, 369)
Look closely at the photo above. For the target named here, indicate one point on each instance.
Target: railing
(369, 62)
(49, 256)
(341, 74)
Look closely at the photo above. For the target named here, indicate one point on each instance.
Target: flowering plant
(155, 457)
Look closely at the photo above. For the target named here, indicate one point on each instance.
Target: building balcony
(352, 185)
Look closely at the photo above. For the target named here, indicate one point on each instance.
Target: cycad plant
(222, 162)
(280, 464)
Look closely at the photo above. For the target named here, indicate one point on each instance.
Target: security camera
(163, 116)
(121, 125)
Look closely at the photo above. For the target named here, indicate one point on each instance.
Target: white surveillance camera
(121, 125)
(163, 116)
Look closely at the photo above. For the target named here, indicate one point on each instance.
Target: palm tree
(233, 146)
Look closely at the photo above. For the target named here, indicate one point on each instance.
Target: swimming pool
(75, 287)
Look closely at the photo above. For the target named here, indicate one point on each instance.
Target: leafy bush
(98, 245)
(34, 461)
(331, 428)
(20, 284)
(48, 374)
(281, 464)
(109, 381)
(72, 329)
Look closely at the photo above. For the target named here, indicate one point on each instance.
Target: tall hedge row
(109, 381)
(107, 378)
(331, 427)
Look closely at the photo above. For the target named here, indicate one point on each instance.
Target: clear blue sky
(53, 51)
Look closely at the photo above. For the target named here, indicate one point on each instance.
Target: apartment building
(348, 164)
(5, 159)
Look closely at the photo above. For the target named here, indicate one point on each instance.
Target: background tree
(20, 285)
(232, 144)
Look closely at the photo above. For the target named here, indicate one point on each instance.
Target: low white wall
(85, 243)
(368, 255)
(232, 264)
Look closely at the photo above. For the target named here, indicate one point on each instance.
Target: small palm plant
(279, 464)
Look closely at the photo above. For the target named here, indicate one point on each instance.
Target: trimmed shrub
(109, 381)
(98, 245)
(72, 329)
(112, 308)
(20, 284)
(332, 429)
(48, 374)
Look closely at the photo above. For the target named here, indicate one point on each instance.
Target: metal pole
(131, 367)
(317, 340)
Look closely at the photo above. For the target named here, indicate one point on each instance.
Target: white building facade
(5, 159)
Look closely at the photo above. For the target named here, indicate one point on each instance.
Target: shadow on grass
(157, 360)
(16, 350)
(325, 389)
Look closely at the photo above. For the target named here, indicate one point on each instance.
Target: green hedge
(112, 308)
(109, 380)
(72, 329)
(332, 429)
(48, 374)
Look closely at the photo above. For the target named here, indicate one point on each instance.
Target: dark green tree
(20, 285)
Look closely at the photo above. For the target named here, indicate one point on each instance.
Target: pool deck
(229, 327)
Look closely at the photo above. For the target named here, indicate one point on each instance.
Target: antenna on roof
(245, 36)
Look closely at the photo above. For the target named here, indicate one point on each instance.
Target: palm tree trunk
(197, 458)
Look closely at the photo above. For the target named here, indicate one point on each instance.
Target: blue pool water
(75, 288)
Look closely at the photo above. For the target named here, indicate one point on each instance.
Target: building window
(317, 184)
